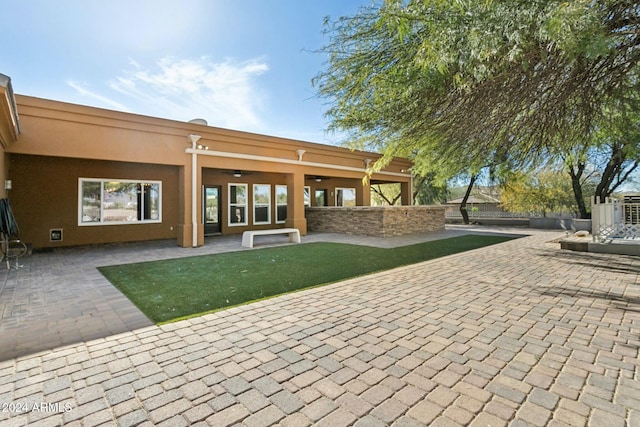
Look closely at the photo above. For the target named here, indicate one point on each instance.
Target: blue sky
(239, 64)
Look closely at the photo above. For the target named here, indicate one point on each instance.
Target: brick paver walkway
(519, 334)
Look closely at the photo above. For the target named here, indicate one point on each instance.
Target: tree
(427, 192)
(459, 86)
(386, 194)
(378, 85)
(616, 151)
(545, 192)
(609, 157)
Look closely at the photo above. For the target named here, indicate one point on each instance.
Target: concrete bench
(247, 236)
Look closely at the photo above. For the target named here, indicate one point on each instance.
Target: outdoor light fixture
(8, 184)
(203, 147)
(237, 174)
(194, 139)
(300, 154)
(367, 163)
(318, 179)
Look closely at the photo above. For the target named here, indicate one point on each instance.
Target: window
(261, 204)
(104, 202)
(237, 204)
(307, 195)
(281, 203)
(345, 196)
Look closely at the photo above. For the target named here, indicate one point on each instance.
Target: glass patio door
(212, 210)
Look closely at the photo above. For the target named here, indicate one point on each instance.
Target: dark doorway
(321, 197)
(212, 209)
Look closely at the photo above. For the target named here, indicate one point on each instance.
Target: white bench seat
(247, 236)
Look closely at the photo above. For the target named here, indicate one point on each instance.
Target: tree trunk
(379, 192)
(576, 185)
(390, 202)
(416, 187)
(463, 204)
(614, 173)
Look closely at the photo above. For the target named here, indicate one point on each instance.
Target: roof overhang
(9, 123)
(261, 158)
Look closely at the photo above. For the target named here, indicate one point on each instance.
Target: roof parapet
(9, 122)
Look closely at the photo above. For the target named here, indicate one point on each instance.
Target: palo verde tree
(616, 148)
(384, 93)
(608, 158)
(545, 192)
(425, 192)
(464, 85)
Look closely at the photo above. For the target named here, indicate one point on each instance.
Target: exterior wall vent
(55, 235)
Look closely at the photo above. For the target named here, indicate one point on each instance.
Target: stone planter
(581, 225)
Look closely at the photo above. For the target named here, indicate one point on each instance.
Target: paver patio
(519, 334)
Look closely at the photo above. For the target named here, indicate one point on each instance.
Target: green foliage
(428, 192)
(186, 287)
(385, 194)
(542, 193)
(459, 86)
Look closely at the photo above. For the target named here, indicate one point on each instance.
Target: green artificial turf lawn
(184, 287)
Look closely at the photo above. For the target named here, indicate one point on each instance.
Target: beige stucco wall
(45, 197)
(68, 130)
(61, 140)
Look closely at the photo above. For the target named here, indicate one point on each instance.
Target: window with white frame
(307, 195)
(261, 204)
(111, 201)
(237, 204)
(345, 196)
(281, 203)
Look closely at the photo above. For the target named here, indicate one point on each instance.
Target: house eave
(9, 122)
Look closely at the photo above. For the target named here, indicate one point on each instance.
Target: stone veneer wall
(380, 221)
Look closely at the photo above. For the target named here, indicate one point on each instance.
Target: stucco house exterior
(82, 175)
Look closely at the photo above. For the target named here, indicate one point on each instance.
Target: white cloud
(224, 93)
(103, 100)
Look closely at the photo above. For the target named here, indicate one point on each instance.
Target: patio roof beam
(288, 161)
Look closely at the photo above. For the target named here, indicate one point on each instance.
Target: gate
(615, 219)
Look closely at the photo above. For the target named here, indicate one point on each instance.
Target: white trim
(194, 190)
(194, 200)
(307, 187)
(286, 161)
(246, 205)
(102, 181)
(355, 193)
